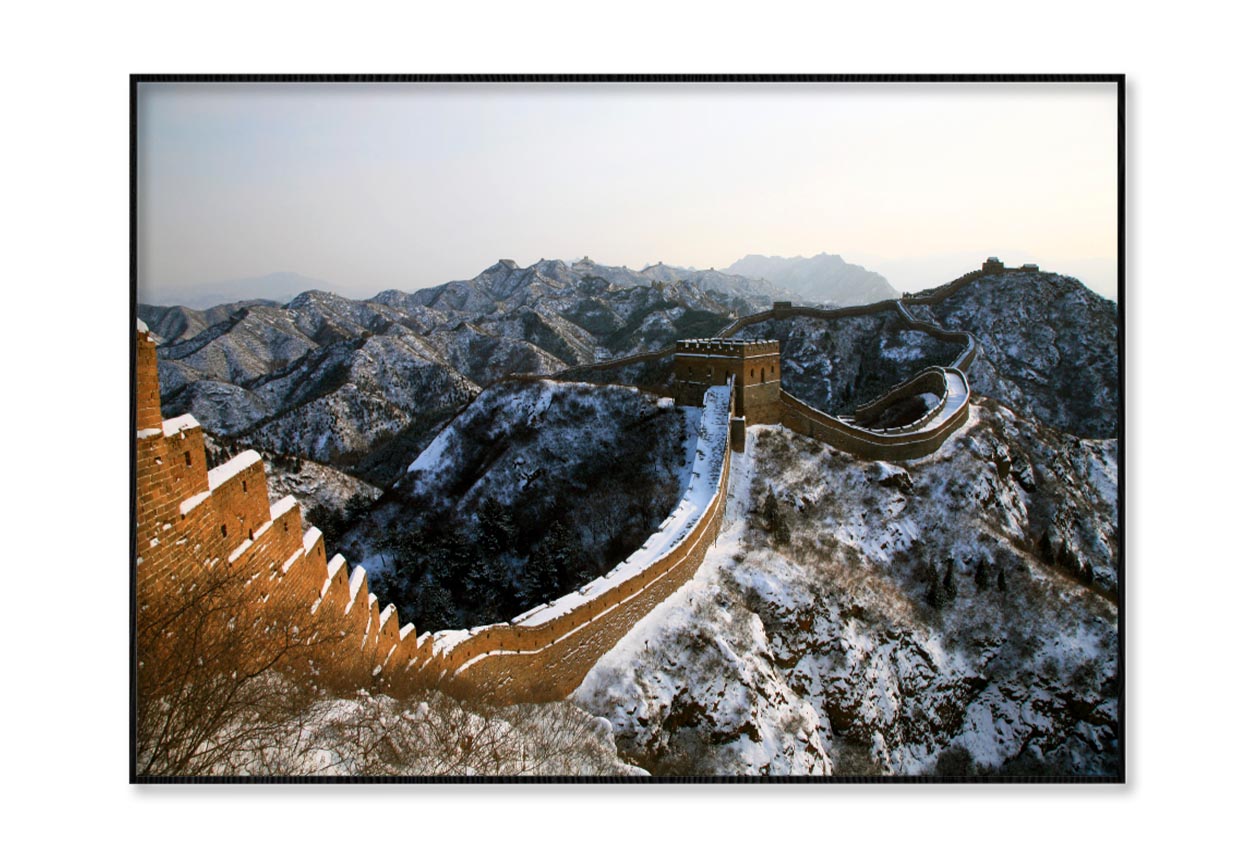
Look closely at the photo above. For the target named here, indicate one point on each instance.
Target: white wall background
(65, 168)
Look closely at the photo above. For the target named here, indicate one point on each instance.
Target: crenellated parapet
(216, 559)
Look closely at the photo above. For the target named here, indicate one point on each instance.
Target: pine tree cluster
(448, 575)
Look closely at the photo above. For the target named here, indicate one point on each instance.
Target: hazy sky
(405, 185)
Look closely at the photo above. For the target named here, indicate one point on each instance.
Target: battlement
(218, 566)
(728, 347)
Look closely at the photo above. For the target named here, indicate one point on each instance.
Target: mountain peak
(821, 278)
(314, 297)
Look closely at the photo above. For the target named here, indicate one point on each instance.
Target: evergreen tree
(543, 574)
(483, 587)
(411, 547)
(438, 611)
(497, 529)
(950, 583)
(1000, 579)
(1046, 547)
(936, 596)
(356, 508)
(983, 575)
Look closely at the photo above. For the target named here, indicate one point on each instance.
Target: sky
(373, 187)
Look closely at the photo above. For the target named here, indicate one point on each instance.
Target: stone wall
(931, 380)
(966, 339)
(785, 310)
(808, 421)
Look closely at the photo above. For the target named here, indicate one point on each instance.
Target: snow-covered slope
(1048, 346)
(535, 488)
(315, 485)
(826, 637)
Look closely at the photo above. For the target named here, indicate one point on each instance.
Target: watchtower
(704, 362)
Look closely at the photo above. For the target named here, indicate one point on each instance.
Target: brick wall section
(931, 379)
(197, 528)
(783, 310)
(808, 421)
(147, 389)
(966, 339)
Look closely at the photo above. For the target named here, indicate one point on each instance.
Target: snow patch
(176, 425)
(228, 469)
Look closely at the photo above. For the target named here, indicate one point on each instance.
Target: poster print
(647, 429)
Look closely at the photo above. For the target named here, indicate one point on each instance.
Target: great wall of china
(198, 529)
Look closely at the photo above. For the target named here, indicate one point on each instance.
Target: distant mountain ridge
(360, 384)
(823, 278)
(277, 287)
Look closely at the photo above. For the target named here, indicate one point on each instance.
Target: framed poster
(648, 428)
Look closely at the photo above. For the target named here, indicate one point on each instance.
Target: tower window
(187, 457)
(245, 482)
(223, 531)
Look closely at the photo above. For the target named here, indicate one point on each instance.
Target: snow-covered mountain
(362, 384)
(821, 279)
(1047, 344)
(955, 614)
